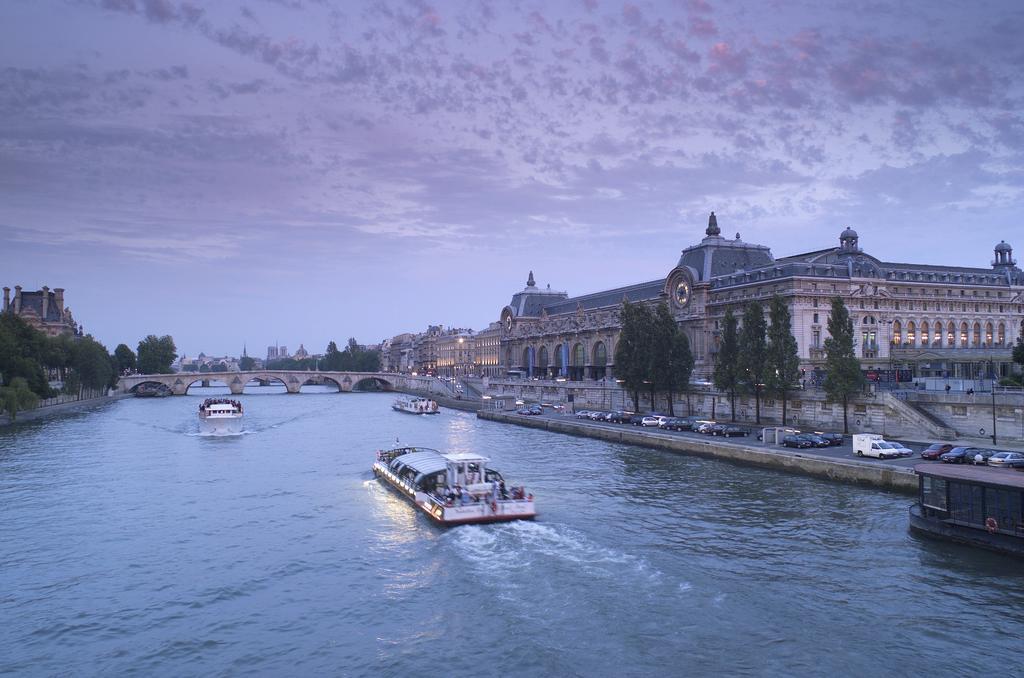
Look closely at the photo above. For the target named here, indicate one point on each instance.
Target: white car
(653, 421)
(902, 449)
(1007, 459)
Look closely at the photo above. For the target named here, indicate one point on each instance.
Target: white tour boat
(220, 416)
(453, 489)
(415, 406)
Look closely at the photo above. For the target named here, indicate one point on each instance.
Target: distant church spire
(530, 282)
(244, 354)
(713, 225)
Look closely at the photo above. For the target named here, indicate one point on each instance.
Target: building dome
(1003, 247)
(849, 233)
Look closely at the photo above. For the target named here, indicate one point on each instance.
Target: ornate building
(43, 310)
(941, 321)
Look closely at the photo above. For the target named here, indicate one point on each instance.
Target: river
(131, 545)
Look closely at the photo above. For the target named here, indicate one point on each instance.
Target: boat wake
(212, 434)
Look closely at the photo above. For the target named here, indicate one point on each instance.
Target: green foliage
(670, 360)
(332, 360)
(783, 360)
(218, 367)
(632, 353)
(155, 354)
(205, 367)
(24, 351)
(125, 357)
(191, 367)
(726, 374)
(1018, 351)
(17, 396)
(246, 363)
(753, 354)
(843, 377)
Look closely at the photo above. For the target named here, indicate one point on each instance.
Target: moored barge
(453, 489)
(979, 506)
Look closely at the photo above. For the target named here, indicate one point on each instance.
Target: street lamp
(992, 388)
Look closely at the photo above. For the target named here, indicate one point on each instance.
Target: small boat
(415, 406)
(220, 416)
(979, 506)
(453, 489)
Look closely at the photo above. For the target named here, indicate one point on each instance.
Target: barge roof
(978, 474)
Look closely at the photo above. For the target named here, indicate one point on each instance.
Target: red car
(935, 449)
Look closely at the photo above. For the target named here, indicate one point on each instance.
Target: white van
(872, 445)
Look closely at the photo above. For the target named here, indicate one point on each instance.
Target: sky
(300, 171)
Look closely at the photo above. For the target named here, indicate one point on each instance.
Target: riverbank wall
(60, 408)
(783, 459)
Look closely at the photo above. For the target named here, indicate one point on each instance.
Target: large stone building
(43, 310)
(923, 319)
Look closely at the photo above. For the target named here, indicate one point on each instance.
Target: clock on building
(508, 322)
(682, 293)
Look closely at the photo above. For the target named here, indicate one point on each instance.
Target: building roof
(645, 291)
(33, 301)
(979, 474)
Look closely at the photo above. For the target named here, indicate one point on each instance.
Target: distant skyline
(300, 171)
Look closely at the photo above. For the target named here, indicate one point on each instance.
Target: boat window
(1004, 505)
(933, 493)
(966, 503)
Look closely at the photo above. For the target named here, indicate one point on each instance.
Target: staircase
(919, 417)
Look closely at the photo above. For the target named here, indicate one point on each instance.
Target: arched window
(1001, 337)
(599, 364)
(951, 335)
(542, 359)
(963, 335)
(925, 336)
(526, 358)
(911, 334)
(559, 360)
(578, 356)
(977, 335)
(988, 335)
(897, 333)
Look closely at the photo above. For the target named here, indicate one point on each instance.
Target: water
(131, 545)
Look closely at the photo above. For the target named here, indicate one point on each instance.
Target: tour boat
(979, 506)
(453, 489)
(415, 406)
(220, 416)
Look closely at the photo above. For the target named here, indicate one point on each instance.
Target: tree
(205, 367)
(843, 377)
(219, 367)
(125, 357)
(726, 375)
(783, 361)
(1018, 351)
(24, 351)
(91, 363)
(333, 360)
(633, 349)
(670, 361)
(16, 397)
(156, 354)
(246, 363)
(753, 356)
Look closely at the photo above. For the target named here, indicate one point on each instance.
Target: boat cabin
(426, 470)
(977, 497)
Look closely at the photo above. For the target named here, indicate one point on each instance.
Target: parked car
(717, 429)
(583, 414)
(815, 439)
(902, 449)
(675, 424)
(934, 450)
(834, 439)
(703, 426)
(958, 455)
(734, 432)
(636, 420)
(796, 440)
(597, 415)
(536, 409)
(617, 417)
(981, 456)
(1007, 459)
(528, 411)
(653, 420)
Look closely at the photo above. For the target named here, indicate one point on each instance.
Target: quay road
(831, 463)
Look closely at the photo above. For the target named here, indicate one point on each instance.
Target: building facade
(44, 310)
(913, 319)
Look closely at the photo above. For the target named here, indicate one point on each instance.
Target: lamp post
(992, 388)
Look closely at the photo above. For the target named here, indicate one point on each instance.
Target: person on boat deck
(494, 490)
(464, 496)
(502, 490)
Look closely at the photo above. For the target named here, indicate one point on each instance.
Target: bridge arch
(149, 384)
(372, 384)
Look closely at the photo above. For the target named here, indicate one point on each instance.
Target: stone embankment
(784, 459)
(60, 408)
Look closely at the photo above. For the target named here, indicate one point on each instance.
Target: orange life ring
(991, 525)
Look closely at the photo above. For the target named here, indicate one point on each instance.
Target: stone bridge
(293, 380)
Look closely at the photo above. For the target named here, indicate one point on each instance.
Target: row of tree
(653, 354)
(761, 357)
